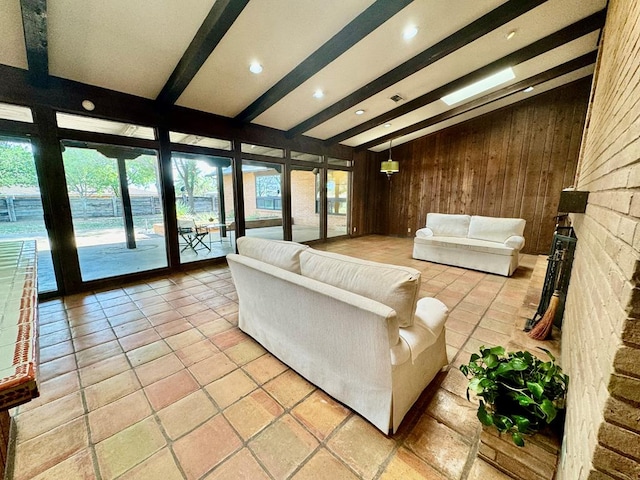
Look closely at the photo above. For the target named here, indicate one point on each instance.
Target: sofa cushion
(495, 229)
(278, 253)
(457, 243)
(392, 285)
(448, 225)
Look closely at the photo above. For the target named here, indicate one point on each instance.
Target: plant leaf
(522, 423)
(524, 400)
(474, 385)
(517, 439)
(536, 389)
(549, 410)
(497, 350)
(474, 357)
(484, 417)
(503, 368)
(491, 360)
(518, 364)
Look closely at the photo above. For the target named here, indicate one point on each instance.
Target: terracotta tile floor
(154, 380)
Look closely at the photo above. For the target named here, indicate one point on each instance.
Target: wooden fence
(14, 208)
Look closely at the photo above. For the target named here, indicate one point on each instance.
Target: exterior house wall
(601, 329)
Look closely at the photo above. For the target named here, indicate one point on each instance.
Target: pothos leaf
(536, 389)
(549, 410)
(484, 416)
(517, 439)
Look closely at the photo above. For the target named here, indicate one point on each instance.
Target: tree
(190, 181)
(17, 167)
(89, 173)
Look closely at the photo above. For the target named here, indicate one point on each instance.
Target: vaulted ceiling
(197, 54)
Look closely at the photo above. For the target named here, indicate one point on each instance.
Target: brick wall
(601, 331)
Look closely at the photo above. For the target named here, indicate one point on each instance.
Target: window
(268, 195)
(90, 124)
(199, 140)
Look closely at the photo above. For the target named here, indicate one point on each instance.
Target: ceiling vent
(396, 98)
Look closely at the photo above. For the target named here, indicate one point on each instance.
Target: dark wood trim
(18, 128)
(545, 76)
(56, 205)
(168, 196)
(34, 22)
(356, 30)
(476, 29)
(565, 35)
(215, 26)
(238, 189)
(199, 150)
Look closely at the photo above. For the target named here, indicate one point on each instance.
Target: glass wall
(305, 190)
(338, 189)
(262, 184)
(204, 206)
(115, 208)
(21, 212)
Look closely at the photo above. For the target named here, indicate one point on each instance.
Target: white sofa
(356, 329)
(489, 244)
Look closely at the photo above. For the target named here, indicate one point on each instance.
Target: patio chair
(192, 235)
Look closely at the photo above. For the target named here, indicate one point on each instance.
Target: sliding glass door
(262, 185)
(116, 209)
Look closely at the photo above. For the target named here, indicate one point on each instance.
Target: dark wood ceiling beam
(476, 29)
(356, 30)
(555, 72)
(557, 39)
(34, 22)
(213, 29)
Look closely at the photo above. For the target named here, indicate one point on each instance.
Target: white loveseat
(489, 244)
(356, 329)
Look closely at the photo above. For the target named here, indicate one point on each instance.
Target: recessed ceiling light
(359, 112)
(387, 125)
(510, 35)
(255, 67)
(410, 32)
(528, 89)
(88, 105)
(318, 94)
(479, 86)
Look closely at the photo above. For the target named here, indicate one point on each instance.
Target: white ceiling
(134, 46)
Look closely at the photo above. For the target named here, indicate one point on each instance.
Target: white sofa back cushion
(448, 225)
(285, 255)
(392, 285)
(495, 229)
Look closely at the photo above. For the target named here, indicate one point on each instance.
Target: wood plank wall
(513, 162)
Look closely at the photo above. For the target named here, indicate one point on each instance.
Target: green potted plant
(519, 393)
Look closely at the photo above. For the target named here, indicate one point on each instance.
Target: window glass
(306, 157)
(337, 202)
(204, 206)
(262, 150)
(188, 139)
(262, 199)
(339, 162)
(97, 125)
(15, 113)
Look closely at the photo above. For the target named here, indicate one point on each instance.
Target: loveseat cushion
(392, 285)
(495, 229)
(456, 243)
(285, 255)
(448, 225)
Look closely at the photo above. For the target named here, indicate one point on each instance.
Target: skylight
(479, 86)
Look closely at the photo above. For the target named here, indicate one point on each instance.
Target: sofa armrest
(515, 241)
(424, 232)
(428, 324)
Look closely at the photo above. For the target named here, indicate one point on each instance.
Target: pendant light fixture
(390, 166)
